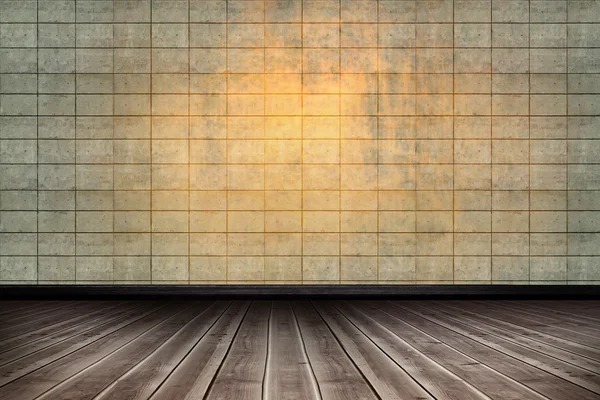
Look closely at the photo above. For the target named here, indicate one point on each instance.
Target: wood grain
(242, 373)
(289, 374)
(192, 378)
(386, 377)
(142, 380)
(297, 350)
(337, 377)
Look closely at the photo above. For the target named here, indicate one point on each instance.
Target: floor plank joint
(300, 350)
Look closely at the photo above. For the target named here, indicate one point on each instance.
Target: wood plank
(48, 340)
(578, 309)
(31, 315)
(335, 350)
(29, 337)
(288, 372)
(242, 373)
(483, 377)
(563, 311)
(33, 307)
(90, 382)
(594, 303)
(495, 329)
(191, 379)
(534, 371)
(8, 311)
(564, 320)
(143, 380)
(337, 377)
(589, 309)
(541, 324)
(437, 380)
(568, 372)
(583, 356)
(6, 305)
(386, 377)
(46, 318)
(511, 368)
(31, 376)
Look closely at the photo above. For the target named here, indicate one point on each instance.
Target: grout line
(307, 47)
(75, 144)
(491, 143)
(307, 22)
(37, 148)
(319, 116)
(417, 258)
(567, 256)
(150, 156)
(377, 149)
(226, 138)
(339, 78)
(453, 145)
(264, 261)
(529, 144)
(253, 94)
(302, 234)
(189, 149)
(113, 148)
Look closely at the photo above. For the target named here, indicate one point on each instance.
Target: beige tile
(283, 268)
(473, 268)
(170, 269)
(208, 269)
(397, 269)
(358, 268)
(317, 244)
(434, 268)
(359, 244)
(321, 268)
(246, 268)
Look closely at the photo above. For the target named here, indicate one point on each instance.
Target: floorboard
(484, 335)
(192, 378)
(10, 312)
(566, 322)
(46, 338)
(564, 350)
(386, 377)
(563, 309)
(438, 381)
(21, 321)
(91, 381)
(297, 350)
(242, 373)
(464, 364)
(491, 353)
(31, 376)
(288, 372)
(337, 377)
(8, 343)
(143, 379)
(543, 323)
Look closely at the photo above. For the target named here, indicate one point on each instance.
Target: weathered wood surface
(297, 350)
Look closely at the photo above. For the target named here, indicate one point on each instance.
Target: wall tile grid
(290, 141)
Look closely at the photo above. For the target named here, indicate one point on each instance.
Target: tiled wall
(290, 141)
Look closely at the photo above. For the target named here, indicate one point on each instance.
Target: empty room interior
(300, 199)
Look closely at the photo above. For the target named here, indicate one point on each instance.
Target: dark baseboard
(175, 292)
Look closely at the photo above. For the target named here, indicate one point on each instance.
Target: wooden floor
(506, 350)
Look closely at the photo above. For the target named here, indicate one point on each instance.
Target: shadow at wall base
(297, 292)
